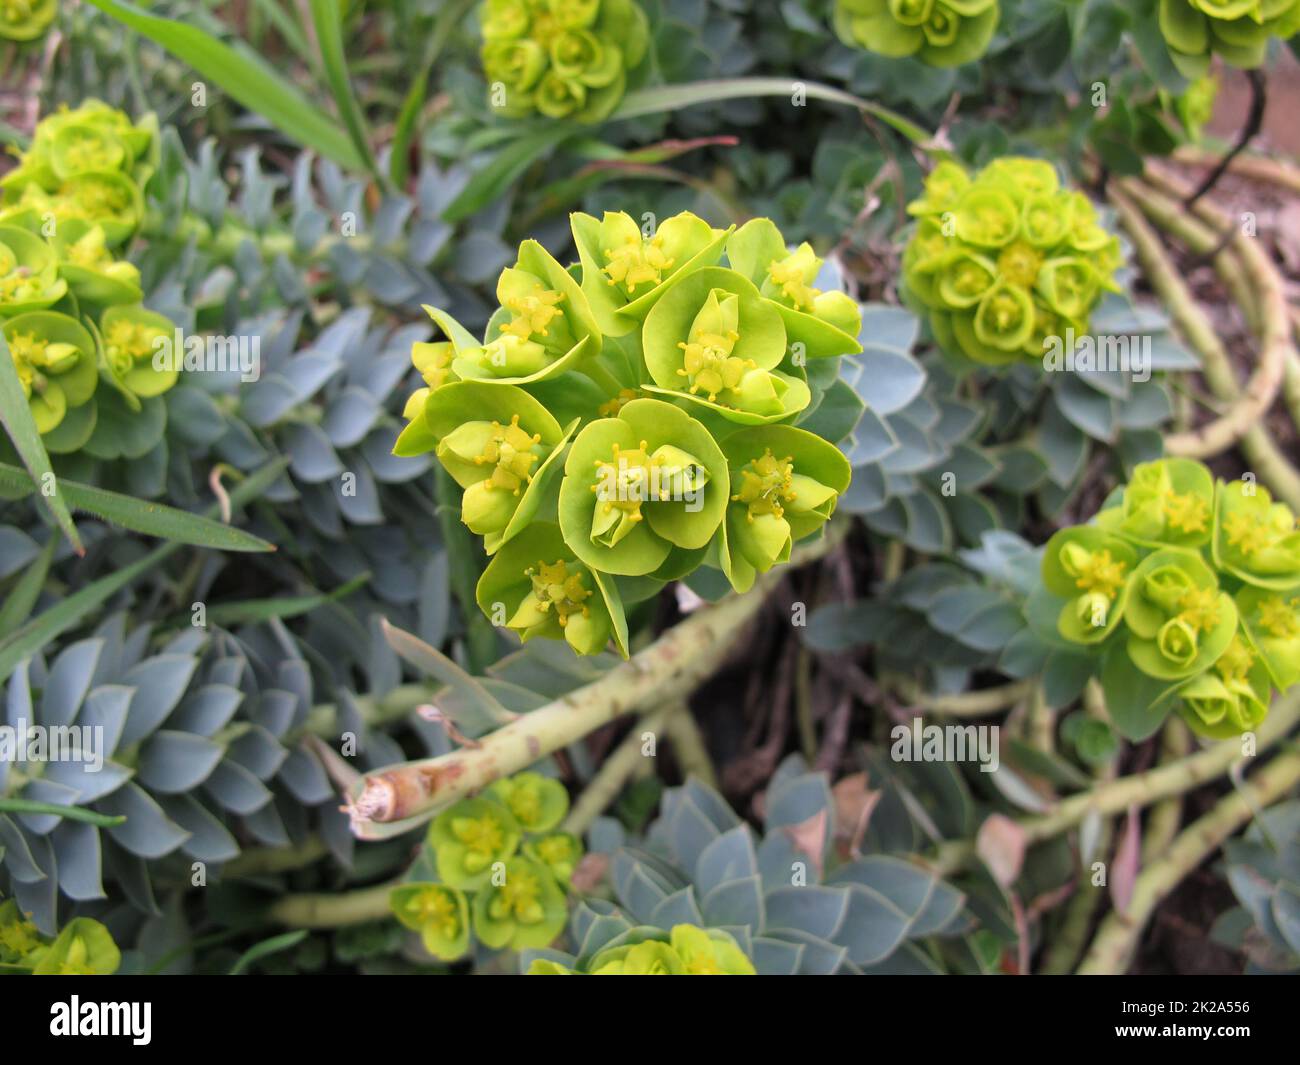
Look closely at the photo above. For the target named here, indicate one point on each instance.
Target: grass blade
(26, 590)
(16, 417)
(398, 164)
(255, 610)
(264, 949)
(245, 79)
(504, 168)
(327, 17)
(71, 813)
(152, 519)
(662, 98)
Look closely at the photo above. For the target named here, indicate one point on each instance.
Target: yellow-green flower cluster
(1197, 582)
(25, 20)
(943, 33)
(565, 59)
(684, 951)
(1003, 261)
(633, 415)
(487, 886)
(1237, 30)
(83, 947)
(69, 302)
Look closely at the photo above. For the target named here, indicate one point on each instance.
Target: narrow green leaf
(245, 79)
(660, 98)
(264, 949)
(449, 16)
(152, 519)
(16, 417)
(72, 813)
(255, 610)
(26, 641)
(506, 166)
(26, 590)
(327, 16)
(287, 26)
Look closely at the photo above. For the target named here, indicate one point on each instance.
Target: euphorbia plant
(943, 33)
(1237, 30)
(25, 20)
(560, 58)
(664, 374)
(489, 890)
(1188, 591)
(1003, 261)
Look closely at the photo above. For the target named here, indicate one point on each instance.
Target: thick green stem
(334, 910)
(1259, 448)
(617, 769)
(1140, 790)
(404, 796)
(1261, 391)
(965, 704)
(1113, 946)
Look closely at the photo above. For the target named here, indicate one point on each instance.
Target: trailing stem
(1112, 948)
(403, 796)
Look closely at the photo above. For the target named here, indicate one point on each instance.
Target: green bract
(1006, 263)
(470, 838)
(522, 908)
(29, 272)
(1179, 620)
(543, 327)
(135, 344)
(1091, 570)
(89, 268)
(499, 443)
(537, 802)
(1170, 503)
(560, 852)
(943, 33)
(55, 358)
(625, 272)
(640, 484)
(817, 323)
(536, 586)
(1256, 539)
(562, 58)
(439, 913)
(1237, 30)
(714, 339)
(25, 20)
(688, 951)
(83, 948)
(785, 483)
